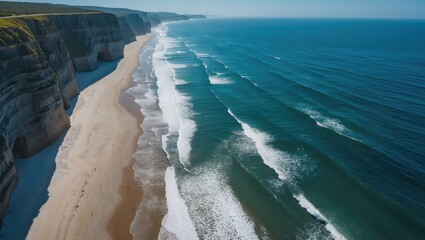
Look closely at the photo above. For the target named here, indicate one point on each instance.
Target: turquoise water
(289, 128)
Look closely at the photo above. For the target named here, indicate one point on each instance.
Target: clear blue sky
(271, 8)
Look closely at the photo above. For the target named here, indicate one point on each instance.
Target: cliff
(12, 8)
(90, 38)
(128, 34)
(31, 103)
(137, 25)
(167, 16)
(56, 53)
(38, 59)
(124, 12)
(153, 18)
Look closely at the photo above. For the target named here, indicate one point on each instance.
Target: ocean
(287, 128)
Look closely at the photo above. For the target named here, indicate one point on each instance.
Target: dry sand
(93, 194)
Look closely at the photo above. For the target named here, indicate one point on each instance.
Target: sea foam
(201, 55)
(176, 109)
(149, 144)
(187, 128)
(175, 106)
(166, 88)
(219, 80)
(323, 121)
(311, 209)
(177, 219)
(275, 159)
(214, 208)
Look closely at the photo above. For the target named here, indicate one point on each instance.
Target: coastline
(91, 194)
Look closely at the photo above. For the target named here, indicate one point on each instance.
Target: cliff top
(27, 8)
(14, 30)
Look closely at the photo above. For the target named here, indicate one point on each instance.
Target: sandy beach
(93, 194)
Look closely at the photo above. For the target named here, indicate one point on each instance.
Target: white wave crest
(166, 88)
(323, 121)
(176, 111)
(201, 55)
(182, 65)
(178, 66)
(214, 208)
(177, 219)
(187, 127)
(175, 106)
(277, 160)
(311, 209)
(219, 80)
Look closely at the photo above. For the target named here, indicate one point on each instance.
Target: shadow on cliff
(34, 174)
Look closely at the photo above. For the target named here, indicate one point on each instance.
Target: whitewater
(258, 139)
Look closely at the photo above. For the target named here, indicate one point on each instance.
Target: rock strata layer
(90, 38)
(128, 34)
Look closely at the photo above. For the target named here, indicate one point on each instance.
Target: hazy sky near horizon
(271, 8)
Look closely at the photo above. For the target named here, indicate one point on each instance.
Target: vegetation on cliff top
(13, 30)
(16, 30)
(25, 8)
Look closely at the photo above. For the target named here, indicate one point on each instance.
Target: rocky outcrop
(90, 38)
(31, 102)
(38, 59)
(128, 34)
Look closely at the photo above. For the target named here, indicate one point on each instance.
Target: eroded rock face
(128, 35)
(32, 113)
(137, 25)
(90, 38)
(56, 53)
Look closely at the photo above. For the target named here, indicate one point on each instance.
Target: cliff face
(38, 59)
(128, 34)
(90, 38)
(57, 55)
(137, 25)
(31, 102)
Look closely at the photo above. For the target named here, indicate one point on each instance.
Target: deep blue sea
(289, 128)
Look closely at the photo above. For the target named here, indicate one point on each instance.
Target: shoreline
(130, 190)
(92, 185)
